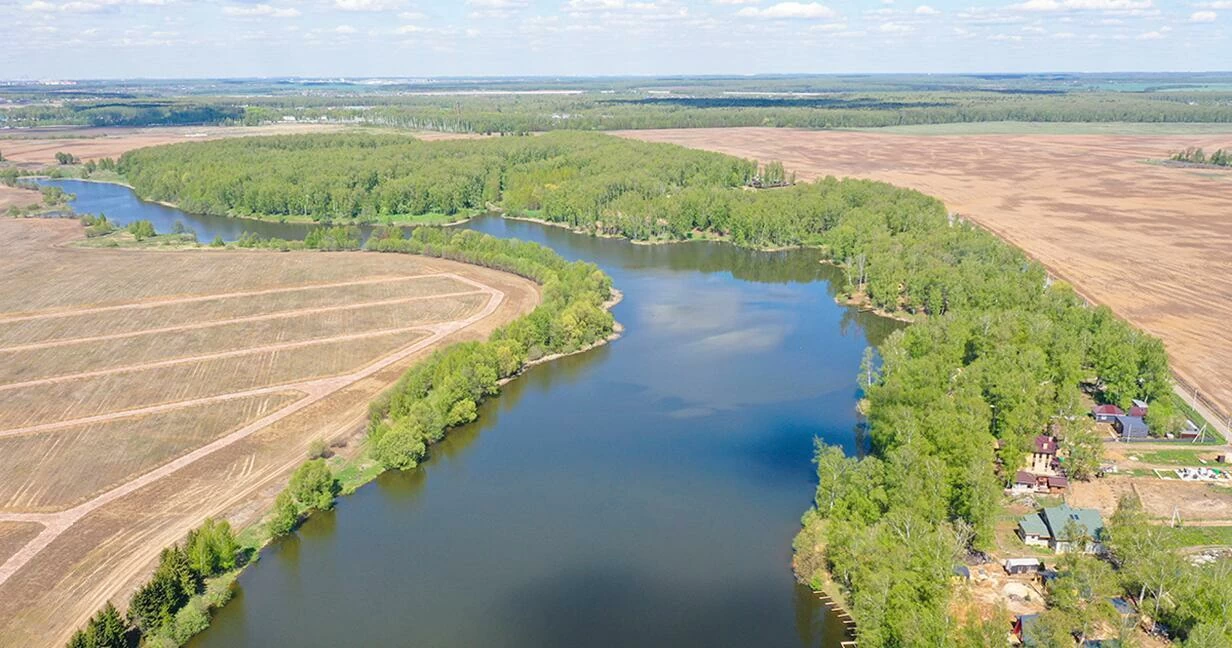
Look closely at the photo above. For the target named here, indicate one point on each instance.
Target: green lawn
(1184, 536)
(1174, 457)
(1055, 128)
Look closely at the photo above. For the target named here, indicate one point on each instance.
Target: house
(1130, 427)
(1063, 528)
(1022, 565)
(1025, 482)
(1043, 454)
(1033, 531)
(1139, 408)
(1190, 431)
(1106, 413)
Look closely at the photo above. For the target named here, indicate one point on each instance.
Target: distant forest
(535, 105)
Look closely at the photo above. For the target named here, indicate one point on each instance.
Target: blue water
(642, 494)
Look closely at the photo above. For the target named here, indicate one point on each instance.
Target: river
(643, 494)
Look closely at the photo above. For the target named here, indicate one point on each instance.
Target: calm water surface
(643, 494)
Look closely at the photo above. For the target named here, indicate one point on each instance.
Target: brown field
(1195, 502)
(38, 146)
(143, 391)
(17, 197)
(1151, 241)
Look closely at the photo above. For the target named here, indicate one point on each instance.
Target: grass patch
(1187, 536)
(1173, 457)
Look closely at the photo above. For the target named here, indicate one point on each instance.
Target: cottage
(1139, 408)
(1106, 413)
(1062, 528)
(1043, 454)
(1130, 427)
(1022, 565)
(1190, 431)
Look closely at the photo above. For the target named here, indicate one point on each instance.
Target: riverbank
(369, 461)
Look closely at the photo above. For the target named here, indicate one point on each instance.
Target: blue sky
(42, 39)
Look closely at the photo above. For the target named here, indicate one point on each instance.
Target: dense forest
(521, 105)
(997, 355)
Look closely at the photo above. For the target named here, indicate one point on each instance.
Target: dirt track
(60, 565)
(1149, 240)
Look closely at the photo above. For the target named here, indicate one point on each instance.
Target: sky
(80, 39)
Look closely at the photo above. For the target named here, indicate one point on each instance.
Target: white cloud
(1203, 17)
(1217, 4)
(829, 27)
(497, 4)
(789, 10)
(90, 6)
(368, 5)
(735, 2)
(1083, 5)
(925, 10)
(344, 29)
(1151, 35)
(895, 28)
(260, 10)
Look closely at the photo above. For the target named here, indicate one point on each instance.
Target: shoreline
(364, 466)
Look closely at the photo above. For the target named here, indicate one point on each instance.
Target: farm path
(55, 524)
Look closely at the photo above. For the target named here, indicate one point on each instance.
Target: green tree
(141, 229)
(314, 486)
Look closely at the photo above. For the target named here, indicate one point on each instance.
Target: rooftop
(1089, 521)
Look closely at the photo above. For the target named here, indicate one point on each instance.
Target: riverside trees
(996, 352)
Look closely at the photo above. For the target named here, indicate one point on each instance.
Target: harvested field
(89, 459)
(1149, 240)
(214, 311)
(14, 535)
(38, 146)
(16, 197)
(144, 391)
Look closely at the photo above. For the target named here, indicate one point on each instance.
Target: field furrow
(92, 458)
(72, 399)
(67, 359)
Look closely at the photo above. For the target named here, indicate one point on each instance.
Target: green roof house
(1062, 528)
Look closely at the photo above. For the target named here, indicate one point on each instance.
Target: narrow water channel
(643, 494)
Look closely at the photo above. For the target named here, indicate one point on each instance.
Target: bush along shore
(437, 394)
(996, 354)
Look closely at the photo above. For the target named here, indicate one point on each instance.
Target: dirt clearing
(1194, 502)
(1151, 241)
(144, 391)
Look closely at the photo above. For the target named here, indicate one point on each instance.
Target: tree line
(997, 352)
(174, 603)
(1195, 155)
(444, 391)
